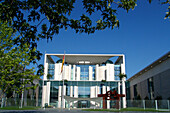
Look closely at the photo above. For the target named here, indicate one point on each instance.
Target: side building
(84, 77)
(153, 81)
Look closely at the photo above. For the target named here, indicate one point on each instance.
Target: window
(53, 94)
(135, 91)
(51, 68)
(84, 72)
(83, 92)
(117, 69)
(71, 72)
(151, 88)
(94, 73)
(68, 90)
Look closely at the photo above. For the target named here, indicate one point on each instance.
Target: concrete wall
(161, 80)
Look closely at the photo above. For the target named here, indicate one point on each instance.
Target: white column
(92, 94)
(64, 95)
(75, 94)
(104, 90)
(118, 85)
(69, 73)
(74, 71)
(108, 101)
(45, 67)
(57, 72)
(123, 82)
(90, 73)
(97, 72)
(75, 91)
(43, 95)
(59, 96)
(78, 73)
(60, 74)
(48, 93)
(96, 92)
(111, 72)
(107, 72)
(71, 93)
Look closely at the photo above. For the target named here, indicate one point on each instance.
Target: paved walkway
(67, 111)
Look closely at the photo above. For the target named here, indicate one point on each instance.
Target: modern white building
(85, 76)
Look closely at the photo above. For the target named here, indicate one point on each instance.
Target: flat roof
(86, 58)
(155, 63)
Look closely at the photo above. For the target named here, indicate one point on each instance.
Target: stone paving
(67, 111)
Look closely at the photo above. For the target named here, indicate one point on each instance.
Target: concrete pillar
(59, 96)
(43, 95)
(108, 101)
(74, 72)
(124, 92)
(92, 94)
(69, 72)
(97, 72)
(107, 72)
(96, 92)
(123, 81)
(104, 90)
(71, 91)
(90, 73)
(57, 72)
(110, 72)
(45, 67)
(75, 95)
(71, 94)
(60, 74)
(76, 91)
(64, 95)
(78, 73)
(118, 85)
(48, 93)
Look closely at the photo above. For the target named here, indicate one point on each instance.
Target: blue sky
(143, 36)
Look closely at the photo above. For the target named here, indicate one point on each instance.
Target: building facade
(84, 76)
(153, 81)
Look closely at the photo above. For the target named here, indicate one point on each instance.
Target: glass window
(71, 72)
(51, 68)
(135, 91)
(83, 92)
(117, 70)
(53, 94)
(94, 72)
(84, 72)
(151, 88)
(68, 90)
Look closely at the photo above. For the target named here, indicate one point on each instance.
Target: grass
(17, 108)
(124, 109)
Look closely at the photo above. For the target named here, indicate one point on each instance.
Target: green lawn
(125, 109)
(17, 108)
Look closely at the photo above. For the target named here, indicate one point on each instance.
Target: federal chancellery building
(84, 76)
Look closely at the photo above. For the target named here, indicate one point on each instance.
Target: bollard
(156, 104)
(144, 104)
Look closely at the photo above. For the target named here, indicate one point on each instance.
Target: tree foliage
(26, 16)
(13, 63)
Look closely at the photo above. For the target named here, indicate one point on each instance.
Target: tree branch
(41, 21)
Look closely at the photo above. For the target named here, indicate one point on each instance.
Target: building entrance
(83, 104)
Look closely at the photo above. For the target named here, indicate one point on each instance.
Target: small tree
(122, 75)
(13, 63)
